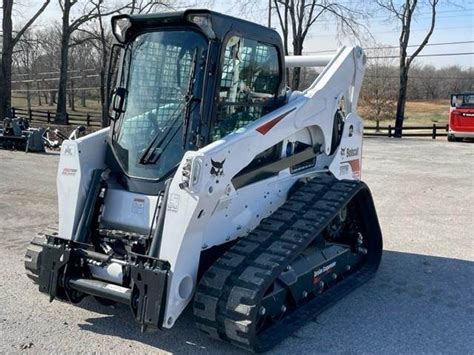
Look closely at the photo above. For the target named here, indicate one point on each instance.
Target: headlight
(204, 23)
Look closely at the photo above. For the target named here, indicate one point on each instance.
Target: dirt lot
(420, 301)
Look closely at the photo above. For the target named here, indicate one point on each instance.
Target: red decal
(263, 129)
(355, 166)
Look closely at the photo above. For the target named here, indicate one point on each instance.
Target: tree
(9, 42)
(404, 13)
(89, 11)
(25, 58)
(296, 17)
(379, 94)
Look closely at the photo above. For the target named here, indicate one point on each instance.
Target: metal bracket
(54, 259)
(149, 284)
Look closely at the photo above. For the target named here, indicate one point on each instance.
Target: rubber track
(228, 296)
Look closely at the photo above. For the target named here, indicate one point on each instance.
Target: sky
(455, 23)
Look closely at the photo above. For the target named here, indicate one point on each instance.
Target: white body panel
(78, 159)
(196, 216)
(307, 61)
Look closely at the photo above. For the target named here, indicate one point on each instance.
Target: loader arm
(197, 191)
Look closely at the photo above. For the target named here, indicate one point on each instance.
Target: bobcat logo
(343, 152)
(217, 168)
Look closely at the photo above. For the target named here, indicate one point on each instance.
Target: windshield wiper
(145, 157)
(148, 157)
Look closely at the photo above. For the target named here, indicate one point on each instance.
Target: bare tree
(90, 11)
(70, 24)
(296, 17)
(27, 52)
(379, 93)
(404, 13)
(9, 42)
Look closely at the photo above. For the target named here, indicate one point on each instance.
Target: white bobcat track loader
(215, 184)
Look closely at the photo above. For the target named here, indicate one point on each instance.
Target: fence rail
(94, 121)
(41, 116)
(432, 131)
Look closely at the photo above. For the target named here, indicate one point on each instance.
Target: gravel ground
(420, 301)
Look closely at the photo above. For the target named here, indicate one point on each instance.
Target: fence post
(389, 130)
(13, 112)
(447, 127)
(88, 120)
(434, 131)
(67, 119)
(49, 116)
(30, 115)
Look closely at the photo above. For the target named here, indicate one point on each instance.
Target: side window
(249, 84)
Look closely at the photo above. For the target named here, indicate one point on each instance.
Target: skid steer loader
(215, 184)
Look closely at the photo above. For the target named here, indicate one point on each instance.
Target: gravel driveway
(420, 301)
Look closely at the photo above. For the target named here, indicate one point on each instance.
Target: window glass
(157, 75)
(249, 84)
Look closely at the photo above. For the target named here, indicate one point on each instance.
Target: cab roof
(221, 24)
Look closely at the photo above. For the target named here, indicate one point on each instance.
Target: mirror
(453, 100)
(118, 101)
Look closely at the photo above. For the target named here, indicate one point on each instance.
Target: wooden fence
(94, 121)
(85, 119)
(433, 131)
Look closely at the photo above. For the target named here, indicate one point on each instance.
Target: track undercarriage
(322, 243)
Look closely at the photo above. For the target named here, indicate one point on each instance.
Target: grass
(420, 113)
(92, 106)
(416, 112)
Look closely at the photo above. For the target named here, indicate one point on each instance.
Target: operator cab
(182, 80)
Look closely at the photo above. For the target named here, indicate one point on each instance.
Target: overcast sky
(455, 23)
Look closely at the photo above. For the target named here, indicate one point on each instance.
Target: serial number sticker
(344, 170)
(138, 205)
(116, 288)
(173, 203)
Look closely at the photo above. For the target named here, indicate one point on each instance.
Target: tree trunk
(297, 50)
(295, 80)
(83, 98)
(62, 87)
(71, 97)
(6, 61)
(104, 89)
(28, 96)
(402, 96)
(39, 93)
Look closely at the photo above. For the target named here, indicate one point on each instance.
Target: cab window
(250, 77)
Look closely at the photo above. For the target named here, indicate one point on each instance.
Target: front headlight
(204, 23)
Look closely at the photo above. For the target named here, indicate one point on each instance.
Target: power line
(396, 47)
(424, 55)
(418, 77)
(412, 30)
